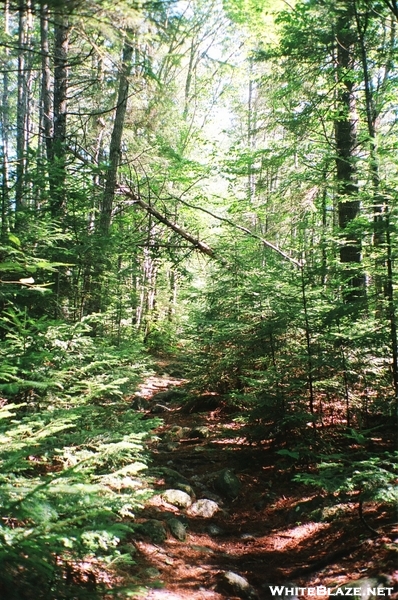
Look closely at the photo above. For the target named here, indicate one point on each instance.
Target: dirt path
(264, 535)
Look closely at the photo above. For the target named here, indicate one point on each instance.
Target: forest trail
(212, 187)
(267, 534)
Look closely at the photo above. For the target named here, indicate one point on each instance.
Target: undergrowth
(73, 461)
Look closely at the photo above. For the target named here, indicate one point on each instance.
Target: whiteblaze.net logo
(281, 590)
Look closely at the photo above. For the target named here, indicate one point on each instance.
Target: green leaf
(14, 240)
(290, 453)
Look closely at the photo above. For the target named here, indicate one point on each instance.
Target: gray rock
(247, 537)
(172, 475)
(215, 530)
(333, 513)
(169, 447)
(231, 583)
(169, 474)
(204, 508)
(227, 484)
(176, 371)
(174, 434)
(185, 487)
(154, 530)
(138, 403)
(169, 396)
(205, 493)
(177, 498)
(199, 432)
(202, 403)
(178, 529)
(152, 573)
(196, 479)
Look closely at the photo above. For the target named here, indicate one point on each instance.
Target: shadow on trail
(264, 534)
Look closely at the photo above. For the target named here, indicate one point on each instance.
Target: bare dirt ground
(261, 535)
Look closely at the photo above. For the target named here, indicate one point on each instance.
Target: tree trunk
(381, 219)
(4, 133)
(57, 174)
(116, 137)
(346, 145)
(393, 6)
(23, 110)
(46, 120)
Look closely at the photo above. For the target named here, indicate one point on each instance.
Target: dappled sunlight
(156, 383)
(198, 297)
(290, 538)
(265, 534)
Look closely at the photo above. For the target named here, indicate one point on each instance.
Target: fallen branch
(266, 243)
(28, 282)
(205, 248)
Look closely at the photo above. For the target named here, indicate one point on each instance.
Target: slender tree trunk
(188, 80)
(4, 133)
(106, 204)
(392, 311)
(116, 137)
(251, 136)
(250, 143)
(150, 269)
(173, 290)
(56, 132)
(97, 131)
(346, 145)
(381, 220)
(23, 110)
(46, 118)
(393, 6)
(324, 268)
(57, 174)
(310, 365)
(371, 119)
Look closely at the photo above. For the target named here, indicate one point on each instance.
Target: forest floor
(266, 535)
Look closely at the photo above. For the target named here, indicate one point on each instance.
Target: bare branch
(205, 248)
(266, 243)
(182, 232)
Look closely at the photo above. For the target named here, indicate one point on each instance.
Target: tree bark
(4, 134)
(381, 208)
(346, 145)
(57, 174)
(393, 6)
(46, 120)
(116, 137)
(23, 108)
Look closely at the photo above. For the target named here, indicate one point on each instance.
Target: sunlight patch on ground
(235, 441)
(295, 535)
(183, 579)
(154, 384)
(166, 595)
(162, 595)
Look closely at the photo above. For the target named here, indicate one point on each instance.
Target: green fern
(371, 479)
